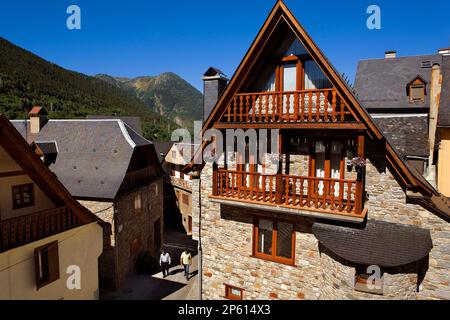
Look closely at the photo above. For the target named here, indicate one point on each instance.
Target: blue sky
(138, 37)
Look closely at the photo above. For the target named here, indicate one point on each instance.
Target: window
(185, 198)
(46, 262)
(137, 203)
(274, 240)
(135, 246)
(417, 93)
(369, 280)
(174, 154)
(233, 293)
(416, 89)
(22, 196)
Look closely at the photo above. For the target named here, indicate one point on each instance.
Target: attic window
(416, 90)
(417, 93)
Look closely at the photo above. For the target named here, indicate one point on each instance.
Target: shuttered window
(46, 260)
(417, 93)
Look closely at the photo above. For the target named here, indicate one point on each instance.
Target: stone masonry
(227, 248)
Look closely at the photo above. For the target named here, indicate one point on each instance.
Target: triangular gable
(26, 158)
(281, 13)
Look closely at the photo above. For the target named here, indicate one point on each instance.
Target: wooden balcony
(303, 106)
(334, 196)
(25, 229)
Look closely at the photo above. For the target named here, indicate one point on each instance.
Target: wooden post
(215, 176)
(279, 177)
(360, 183)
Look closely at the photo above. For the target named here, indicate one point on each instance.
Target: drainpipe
(199, 247)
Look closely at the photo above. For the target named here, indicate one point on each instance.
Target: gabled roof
(444, 105)
(408, 178)
(18, 148)
(380, 83)
(93, 155)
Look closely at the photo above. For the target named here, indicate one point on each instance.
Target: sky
(136, 37)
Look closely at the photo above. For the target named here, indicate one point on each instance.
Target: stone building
(114, 172)
(46, 236)
(406, 97)
(327, 208)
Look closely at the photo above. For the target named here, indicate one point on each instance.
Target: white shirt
(165, 258)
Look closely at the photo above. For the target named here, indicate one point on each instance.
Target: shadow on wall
(418, 268)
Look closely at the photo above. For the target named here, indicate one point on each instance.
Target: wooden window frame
(230, 296)
(185, 199)
(273, 257)
(52, 264)
(22, 205)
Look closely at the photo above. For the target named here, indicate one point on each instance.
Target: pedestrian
(186, 261)
(164, 262)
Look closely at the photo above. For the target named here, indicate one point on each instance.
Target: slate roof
(407, 133)
(381, 83)
(93, 155)
(380, 243)
(444, 105)
(133, 122)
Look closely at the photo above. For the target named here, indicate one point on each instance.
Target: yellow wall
(80, 246)
(41, 201)
(444, 162)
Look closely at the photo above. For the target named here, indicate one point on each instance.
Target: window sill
(275, 260)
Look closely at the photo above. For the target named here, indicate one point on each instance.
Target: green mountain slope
(27, 80)
(167, 94)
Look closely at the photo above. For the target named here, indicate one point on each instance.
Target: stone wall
(227, 249)
(138, 227)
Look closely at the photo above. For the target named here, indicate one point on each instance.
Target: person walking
(186, 261)
(164, 262)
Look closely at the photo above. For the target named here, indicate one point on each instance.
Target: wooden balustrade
(25, 229)
(333, 195)
(319, 105)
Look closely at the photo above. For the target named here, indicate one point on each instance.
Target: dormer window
(416, 90)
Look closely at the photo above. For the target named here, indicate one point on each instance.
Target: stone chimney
(390, 54)
(214, 83)
(38, 119)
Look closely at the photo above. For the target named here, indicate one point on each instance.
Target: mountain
(27, 80)
(167, 94)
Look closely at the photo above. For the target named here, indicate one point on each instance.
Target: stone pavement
(153, 286)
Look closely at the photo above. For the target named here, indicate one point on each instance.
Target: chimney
(444, 51)
(214, 83)
(38, 119)
(390, 54)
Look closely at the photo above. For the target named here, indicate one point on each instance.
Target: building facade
(326, 208)
(114, 172)
(49, 244)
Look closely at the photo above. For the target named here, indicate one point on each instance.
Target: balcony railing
(309, 106)
(25, 229)
(178, 182)
(308, 193)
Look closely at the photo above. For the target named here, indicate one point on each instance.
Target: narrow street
(153, 286)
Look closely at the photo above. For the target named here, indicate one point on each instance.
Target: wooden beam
(12, 174)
